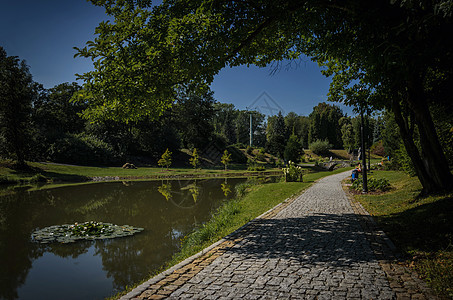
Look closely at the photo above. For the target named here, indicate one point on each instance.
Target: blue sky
(44, 33)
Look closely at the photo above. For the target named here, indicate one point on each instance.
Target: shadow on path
(336, 239)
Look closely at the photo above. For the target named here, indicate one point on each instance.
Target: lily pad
(69, 233)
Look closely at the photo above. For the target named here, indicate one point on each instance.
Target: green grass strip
(421, 227)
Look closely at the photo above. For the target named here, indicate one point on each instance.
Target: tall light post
(251, 130)
(363, 154)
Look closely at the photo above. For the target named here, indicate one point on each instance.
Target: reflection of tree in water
(186, 194)
(195, 191)
(165, 190)
(72, 250)
(226, 188)
(17, 215)
(131, 259)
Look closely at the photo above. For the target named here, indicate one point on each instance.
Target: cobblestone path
(312, 247)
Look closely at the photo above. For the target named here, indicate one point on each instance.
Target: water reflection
(167, 210)
(226, 188)
(165, 190)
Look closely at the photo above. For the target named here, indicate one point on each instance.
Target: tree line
(47, 124)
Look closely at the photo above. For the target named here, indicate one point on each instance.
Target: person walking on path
(312, 248)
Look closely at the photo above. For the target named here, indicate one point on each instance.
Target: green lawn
(71, 173)
(422, 228)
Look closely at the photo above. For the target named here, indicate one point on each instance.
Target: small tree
(165, 160)
(195, 160)
(226, 157)
(293, 149)
(320, 147)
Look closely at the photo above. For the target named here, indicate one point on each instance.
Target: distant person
(355, 175)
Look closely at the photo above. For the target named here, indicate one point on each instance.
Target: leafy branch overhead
(378, 54)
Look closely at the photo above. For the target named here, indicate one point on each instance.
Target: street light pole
(251, 131)
(364, 168)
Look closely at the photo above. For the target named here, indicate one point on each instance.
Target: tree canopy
(16, 95)
(379, 54)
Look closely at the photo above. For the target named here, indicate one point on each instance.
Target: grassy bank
(69, 173)
(257, 199)
(422, 228)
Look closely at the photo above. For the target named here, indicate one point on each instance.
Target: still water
(167, 210)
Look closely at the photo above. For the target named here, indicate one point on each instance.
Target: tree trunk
(412, 150)
(432, 154)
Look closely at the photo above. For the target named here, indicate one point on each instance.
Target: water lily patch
(69, 233)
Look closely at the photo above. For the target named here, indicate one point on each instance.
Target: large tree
(324, 124)
(16, 95)
(389, 48)
(276, 135)
(193, 114)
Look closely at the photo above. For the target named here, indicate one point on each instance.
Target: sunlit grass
(421, 227)
(71, 173)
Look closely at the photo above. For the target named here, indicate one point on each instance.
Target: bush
(373, 184)
(260, 156)
(293, 172)
(378, 149)
(82, 149)
(402, 159)
(278, 163)
(243, 188)
(254, 166)
(249, 150)
(320, 147)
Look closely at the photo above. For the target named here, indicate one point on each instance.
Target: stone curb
(137, 291)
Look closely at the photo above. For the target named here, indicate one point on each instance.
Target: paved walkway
(319, 245)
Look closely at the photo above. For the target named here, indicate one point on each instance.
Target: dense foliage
(373, 184)
(16, 94)
(320, 147)
(379, 54)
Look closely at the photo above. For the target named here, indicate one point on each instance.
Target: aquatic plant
(69, 233)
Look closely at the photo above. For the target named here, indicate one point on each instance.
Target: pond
(167, 210)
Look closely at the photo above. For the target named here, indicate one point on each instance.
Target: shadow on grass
(428, 227)
(34, 174)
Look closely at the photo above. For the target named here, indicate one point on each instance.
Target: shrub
(293, 172)
(252, 165)
(260, 156)
(81, 149)
(243, 188)
(373, 184)
(378, 149)
(402, 159)
(278, 163)
(320, 147)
